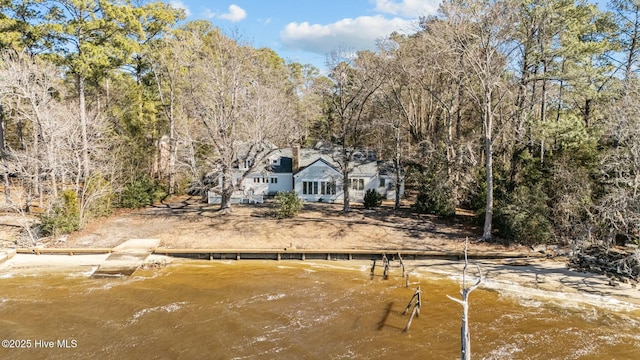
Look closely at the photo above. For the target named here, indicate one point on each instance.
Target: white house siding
(370, 182)
(318, 172)
(284, 182)
(256, 184)
(265, 184)
(388, 189)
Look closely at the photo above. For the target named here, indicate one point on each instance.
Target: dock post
(385, 261)
(373, 267)
(416, 308)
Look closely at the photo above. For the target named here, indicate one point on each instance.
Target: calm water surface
(290, 310)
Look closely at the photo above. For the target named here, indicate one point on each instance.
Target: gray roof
(364, 166)
(388, 168)
(365, 162)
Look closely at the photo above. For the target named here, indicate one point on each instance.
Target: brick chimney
(295, 158)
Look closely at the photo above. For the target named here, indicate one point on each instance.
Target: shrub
(140, 193)
(524, 216)
(288, 204)
(372, 199)
(437, 201)
(435, 191)
(65, 217)
(98, 197)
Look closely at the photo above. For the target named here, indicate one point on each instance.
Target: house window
(310, 188)
(382, 182)
(265, 180)
(357, 184)
(274, 180)
(318, 187)
(247, 163)
(327, 187)
(256, 180)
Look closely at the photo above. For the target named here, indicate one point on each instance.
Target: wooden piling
(385, 261)
(416, 308)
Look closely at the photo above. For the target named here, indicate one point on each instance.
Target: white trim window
(318, 187)
(328, 187)
(310, 188)
(247, 163)
(357, 184)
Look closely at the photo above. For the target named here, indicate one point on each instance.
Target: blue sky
(306, 31)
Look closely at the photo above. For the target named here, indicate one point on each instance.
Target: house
(314, 175)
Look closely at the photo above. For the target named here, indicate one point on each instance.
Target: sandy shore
(542, 279)
(189, 224)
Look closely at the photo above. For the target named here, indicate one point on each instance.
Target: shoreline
(549, 280)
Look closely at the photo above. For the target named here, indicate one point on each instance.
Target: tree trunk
(396, 165)
(172, 145)
(83, 127)
(488, 144)
(465, 337)
(226, 192)
(3, 157)
(345, 189)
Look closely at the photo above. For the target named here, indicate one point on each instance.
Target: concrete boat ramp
(126, 258)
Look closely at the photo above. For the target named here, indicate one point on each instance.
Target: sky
(306, 31)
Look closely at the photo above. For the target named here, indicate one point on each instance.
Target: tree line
(524, 111)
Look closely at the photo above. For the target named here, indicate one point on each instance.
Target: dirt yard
(190, 223)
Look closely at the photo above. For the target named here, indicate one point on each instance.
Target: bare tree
(354, 83)
(167, 65)
(480, 36)
(465, 337)
(53, 160)
(242, 106)
(31, 90)
(619, 208)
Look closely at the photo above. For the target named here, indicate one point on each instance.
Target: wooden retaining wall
(63, 251)
(297, 254)
(325, 254)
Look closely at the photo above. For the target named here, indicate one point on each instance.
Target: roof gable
(318, 162)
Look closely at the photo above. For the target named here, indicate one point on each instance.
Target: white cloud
(349, 34)
(176, 4)
(235, 14)
(408, 8)
(208, 13)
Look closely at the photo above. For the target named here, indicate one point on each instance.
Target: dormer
(274, 161)
(246, 164)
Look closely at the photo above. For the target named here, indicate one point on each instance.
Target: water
(291, 310)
